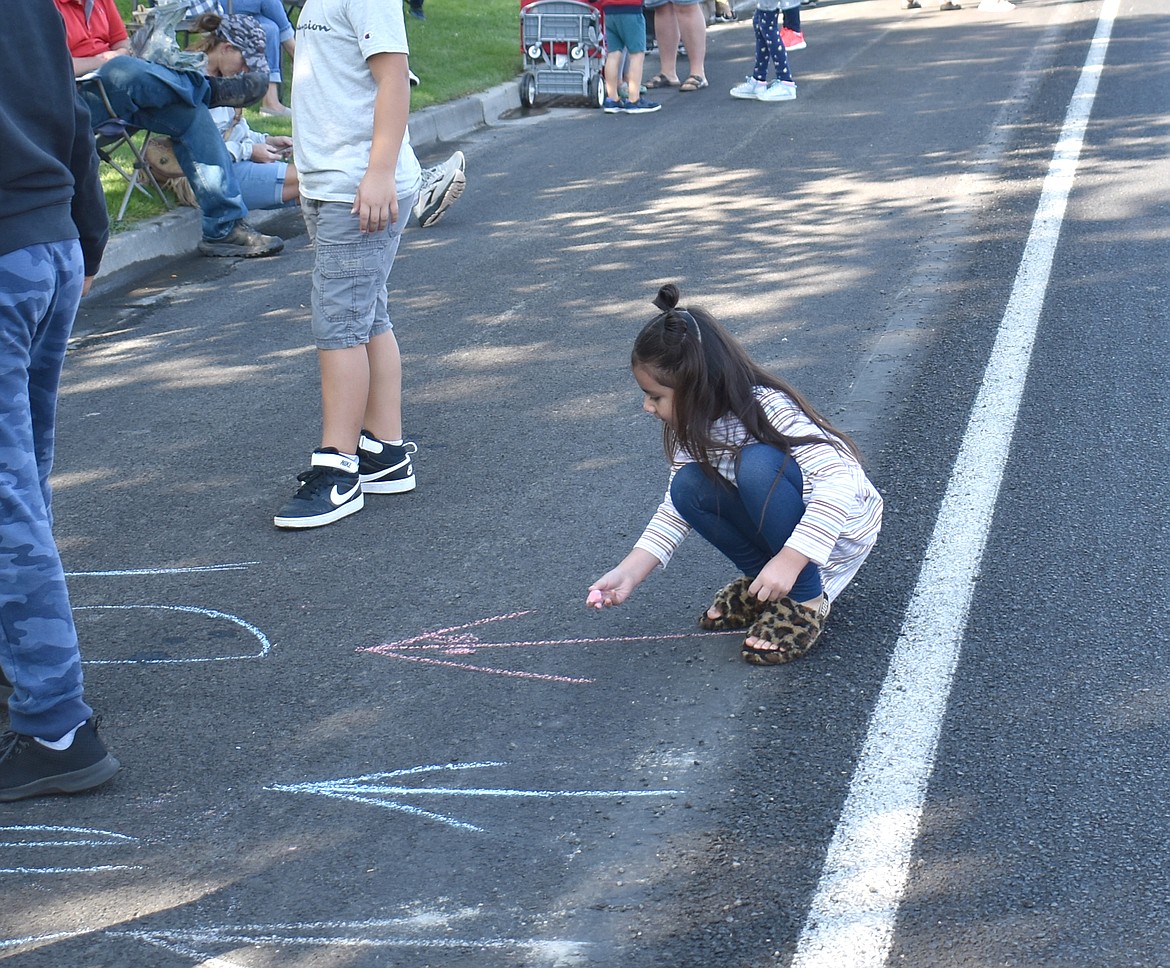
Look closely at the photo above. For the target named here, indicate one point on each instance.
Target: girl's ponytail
(667, 297)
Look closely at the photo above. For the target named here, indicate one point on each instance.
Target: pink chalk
(595, 599)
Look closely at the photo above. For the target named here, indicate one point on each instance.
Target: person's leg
(361, 372)
(383, 417)
(771, 487)
(768, 34)
(634, 66)
(173, 103)
(633, 31)
(290, 189)
(613, 73)
(666, 30)
(267, 185)
(278, 33)
(716, 511)
(38, 647)
(791, 18)
(692, 28)
(763, 50)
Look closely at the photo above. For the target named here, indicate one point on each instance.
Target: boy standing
(359, 178)
(625, 39)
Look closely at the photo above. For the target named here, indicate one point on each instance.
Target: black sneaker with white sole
(28, 768)
(385, 468)
(330, 490)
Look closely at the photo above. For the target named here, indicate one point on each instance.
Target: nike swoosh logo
(338, 498)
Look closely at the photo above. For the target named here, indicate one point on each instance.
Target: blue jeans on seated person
(174, 103)
(749, 521)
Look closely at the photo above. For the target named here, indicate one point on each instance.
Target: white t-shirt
(333, 95)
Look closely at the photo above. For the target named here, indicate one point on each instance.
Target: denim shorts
(625, 31)
(262, 183)
(350, 271)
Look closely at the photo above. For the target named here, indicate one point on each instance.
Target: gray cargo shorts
(350, 272)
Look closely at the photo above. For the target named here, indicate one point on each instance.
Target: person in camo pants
(53, 231)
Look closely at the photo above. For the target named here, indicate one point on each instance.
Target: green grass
(463, 46)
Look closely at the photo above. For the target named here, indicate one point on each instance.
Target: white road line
(851, 919)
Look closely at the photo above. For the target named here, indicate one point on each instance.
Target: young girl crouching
(757, 472)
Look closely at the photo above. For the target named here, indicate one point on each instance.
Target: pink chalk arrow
(429, 647)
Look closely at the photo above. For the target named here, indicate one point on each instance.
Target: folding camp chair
(112, 135)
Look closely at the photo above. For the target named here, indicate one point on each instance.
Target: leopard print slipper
(789, 628)
(736, 606)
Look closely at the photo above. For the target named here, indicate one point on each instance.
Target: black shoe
(416, 10)
(330, 490)
(243, 241)
(238, 91)
(5, 691)
(384, 468)
(31, 769)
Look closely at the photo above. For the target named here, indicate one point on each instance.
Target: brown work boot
(242, 241)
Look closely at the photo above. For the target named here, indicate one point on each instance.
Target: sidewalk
(177, 233)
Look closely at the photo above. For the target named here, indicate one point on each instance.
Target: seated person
(278, 34)
(173, 103)
(266, 177)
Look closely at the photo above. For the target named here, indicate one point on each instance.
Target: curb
(177, 233)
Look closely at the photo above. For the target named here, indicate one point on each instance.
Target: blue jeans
(749, 521)
(174, 103)
(277, 27)
(40, 288)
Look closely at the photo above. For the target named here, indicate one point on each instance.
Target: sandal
(788, 629)
(693, 83)
(737, 608)
(659, 80)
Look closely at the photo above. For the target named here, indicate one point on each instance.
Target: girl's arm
(617, 584)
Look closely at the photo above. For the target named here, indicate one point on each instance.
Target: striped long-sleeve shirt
(843, 510)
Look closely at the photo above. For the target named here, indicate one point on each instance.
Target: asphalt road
(403, 740)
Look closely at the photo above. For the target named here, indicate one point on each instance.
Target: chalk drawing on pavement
(20, 841)
(424, 929)
(158, 649)
(193, 569)
(431, 648)
(157, 657)
(380, 790)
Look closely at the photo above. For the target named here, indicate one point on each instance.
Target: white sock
(64, 742)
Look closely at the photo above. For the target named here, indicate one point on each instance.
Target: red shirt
(104, 30)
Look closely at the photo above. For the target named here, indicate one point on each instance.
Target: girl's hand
(777, 577)
(611, 589)
(265, 154)
(617, 584)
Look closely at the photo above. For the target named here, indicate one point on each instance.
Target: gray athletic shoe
(442, 185)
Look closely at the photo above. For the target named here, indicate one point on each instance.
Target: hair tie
(688, 318)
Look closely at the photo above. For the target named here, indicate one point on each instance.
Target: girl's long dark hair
(712, 376)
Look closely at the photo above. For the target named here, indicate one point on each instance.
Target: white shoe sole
(328, 517)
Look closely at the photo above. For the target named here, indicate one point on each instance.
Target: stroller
(564, 50)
